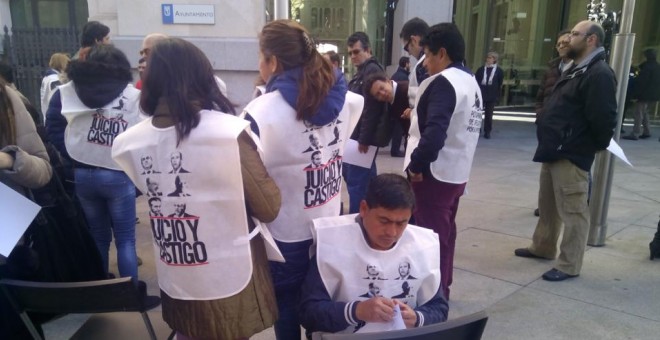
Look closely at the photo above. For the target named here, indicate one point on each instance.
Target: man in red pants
(444, 130)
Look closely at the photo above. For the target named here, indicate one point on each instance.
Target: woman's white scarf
(492, 74)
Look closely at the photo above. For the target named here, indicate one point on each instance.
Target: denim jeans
(357, 178)
(287, 280)
(108, 199)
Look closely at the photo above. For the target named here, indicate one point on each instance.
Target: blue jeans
(108, 199)
(357, 178)
(287, 280)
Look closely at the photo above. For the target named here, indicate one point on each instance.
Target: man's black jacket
(579, 116)
(367, 125)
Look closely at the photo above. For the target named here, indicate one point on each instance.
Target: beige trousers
(562, 200)
(641, 126)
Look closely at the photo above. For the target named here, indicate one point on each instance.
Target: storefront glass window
(332, 21)
(48, 13)
(524, 34)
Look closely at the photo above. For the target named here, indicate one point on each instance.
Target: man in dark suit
(179, 188)
(180, 211)
(314, 143)
(373, 273)
(403, 72)
(154, 207)
(153, 188)
(176, 158)
(337, 139)
(404, 271)
(316, 160)
(392, 97)
(405, 291)
(148, 165)
(373, 291)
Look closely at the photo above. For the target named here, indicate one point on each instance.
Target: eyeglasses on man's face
(578, 34)
(355, 51)
(407, 44)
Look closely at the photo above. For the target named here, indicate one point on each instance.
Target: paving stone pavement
(616, 296)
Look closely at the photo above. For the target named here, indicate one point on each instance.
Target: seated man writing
(337, 297)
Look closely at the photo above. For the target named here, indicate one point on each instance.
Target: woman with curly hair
(83, 119)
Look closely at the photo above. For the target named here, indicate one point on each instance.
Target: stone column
(104, 11)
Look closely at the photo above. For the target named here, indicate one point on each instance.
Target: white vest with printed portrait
(90, 132)
(454, 160)
(304, 160)
(197, 211)
(351, 270)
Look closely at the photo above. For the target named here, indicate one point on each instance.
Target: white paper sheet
(616, 150)
(17, 212)
(396, 323)
(353, 156)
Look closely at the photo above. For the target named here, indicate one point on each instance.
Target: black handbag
(57, 245)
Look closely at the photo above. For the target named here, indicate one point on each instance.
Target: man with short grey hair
(151, 39)
(578, 120)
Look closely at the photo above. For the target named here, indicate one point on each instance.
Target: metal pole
(281, 9)
(622, 49)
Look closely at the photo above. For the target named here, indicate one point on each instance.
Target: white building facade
(229, 36)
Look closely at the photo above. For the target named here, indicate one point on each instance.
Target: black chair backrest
(469, 327)
(75, 297)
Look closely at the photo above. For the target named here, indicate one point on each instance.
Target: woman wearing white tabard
(214, 280)
(303, 122)
(83, 119)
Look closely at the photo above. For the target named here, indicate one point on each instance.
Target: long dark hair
(182, 75)
(293, 46)
(7, 119)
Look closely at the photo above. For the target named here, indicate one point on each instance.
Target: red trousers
(436, 207)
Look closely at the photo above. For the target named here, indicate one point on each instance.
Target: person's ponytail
(315, 83)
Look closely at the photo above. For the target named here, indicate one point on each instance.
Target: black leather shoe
(557, 275)
(644, 136)
(655, 249)
(397, 154)
(652, 252)
(487, 135)
(629, 137)
(536, 212)
(142, 288)
(524, 252)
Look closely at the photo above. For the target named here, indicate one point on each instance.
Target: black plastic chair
(103, 296)
(469, 327)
